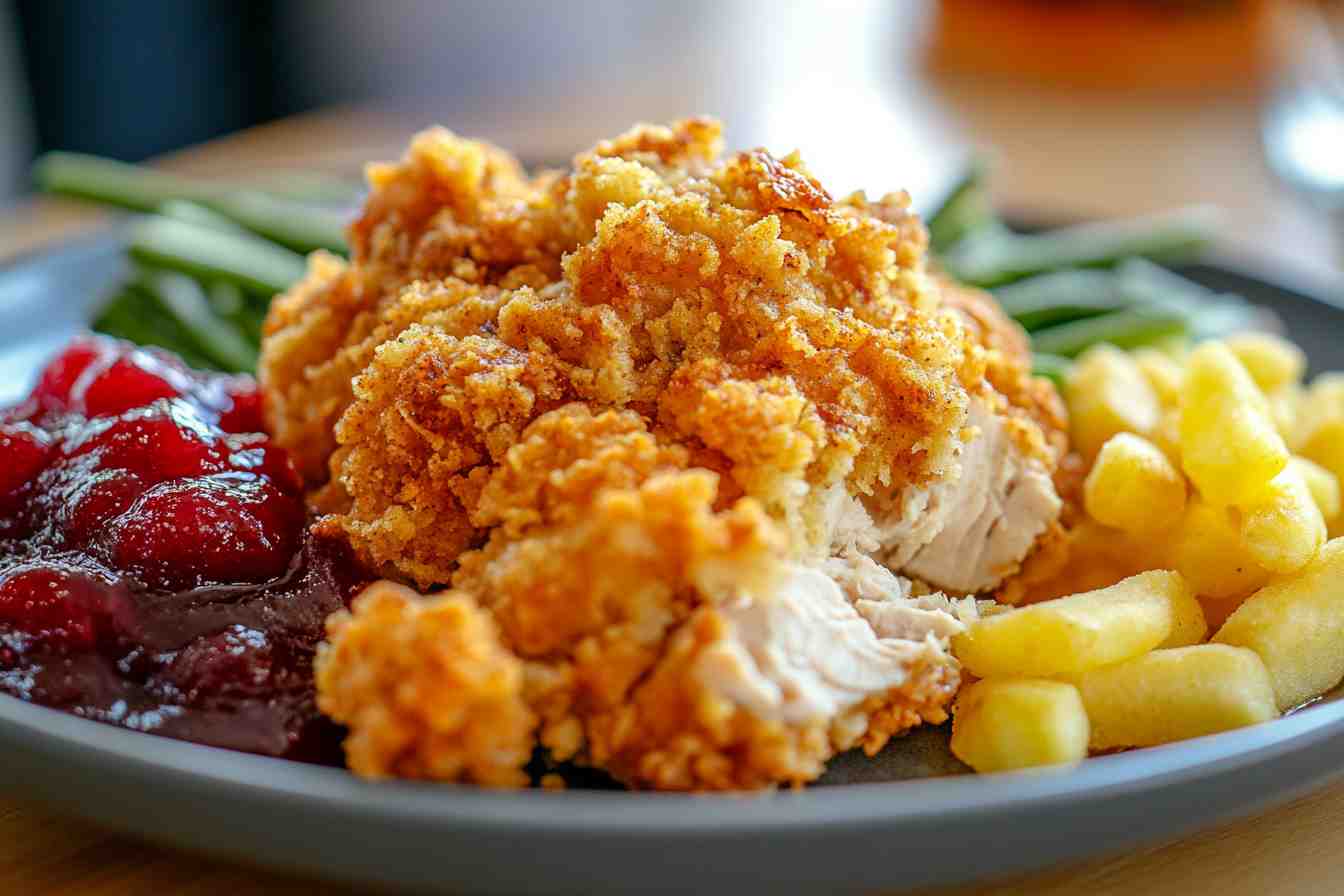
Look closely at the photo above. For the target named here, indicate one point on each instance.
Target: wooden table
(1066, 159)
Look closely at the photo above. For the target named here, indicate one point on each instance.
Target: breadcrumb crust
(434, 694)
(789, 340)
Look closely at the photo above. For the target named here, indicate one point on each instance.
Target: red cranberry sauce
(155, 566)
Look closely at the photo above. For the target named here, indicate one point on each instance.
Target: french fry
(1004, 725)
(1296, 625)
(1188, 625)
(1064, 637)
(1273, 362)
(1108, 394)
(1283, 529)
(1134, 487)
(1324, 444)
(1176, 694)
(1229, 446)
(1325, 395)
(1208, 550)
(1163, 372)
(1285, 405)
(1167, 435)
(1323, 485)
(1320, 423)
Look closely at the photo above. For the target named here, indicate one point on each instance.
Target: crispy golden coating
(787, 340)
(426, 689)
(604, 405)
(306, 329)
(454, 213)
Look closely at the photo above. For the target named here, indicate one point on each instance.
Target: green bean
(116, 183)
(1142, 281)
(250, 322)
(233, 304)
(209, 255)
(1059, 297)
(226, 298)
(134, 315)
(311, 187)
(217, 339)
(1212, 314)
(295, 225)
(202, 215)
(1128, 328)
(1048, 300)
(965, 209)
(995, 256)
(1227, 318)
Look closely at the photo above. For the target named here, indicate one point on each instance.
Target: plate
(863, 829)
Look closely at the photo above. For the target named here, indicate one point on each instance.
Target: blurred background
(1083, 107)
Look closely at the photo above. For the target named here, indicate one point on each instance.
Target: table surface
(1152, 156)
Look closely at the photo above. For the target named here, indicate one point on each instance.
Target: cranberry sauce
(155, 566)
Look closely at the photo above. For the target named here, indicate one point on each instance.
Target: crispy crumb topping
(436, 696)
(787, 340)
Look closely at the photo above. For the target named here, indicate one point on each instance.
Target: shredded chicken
(968, 532)
(657, 418)
(806, 652)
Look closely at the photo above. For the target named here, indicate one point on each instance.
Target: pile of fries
(1201, 590)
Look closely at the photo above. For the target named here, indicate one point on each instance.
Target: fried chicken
(657, 418)
(653, 626)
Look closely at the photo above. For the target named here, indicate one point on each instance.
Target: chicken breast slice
(967, 532)
(815, 648)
